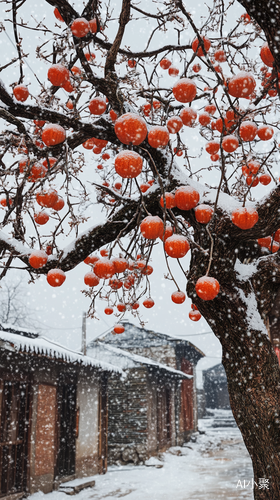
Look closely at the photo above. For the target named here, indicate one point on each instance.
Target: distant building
(175, 352)
(201, 403)
(215, 387)
(53, 413)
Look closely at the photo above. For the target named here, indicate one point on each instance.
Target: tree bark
(266, 13)
(249, 359)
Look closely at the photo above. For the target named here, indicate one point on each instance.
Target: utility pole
(84, 335)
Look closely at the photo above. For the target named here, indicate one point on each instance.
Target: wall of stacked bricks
(171, 356)
(127, 408)
(127, 417)
(133, 415)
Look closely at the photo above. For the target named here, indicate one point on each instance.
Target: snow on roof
(126, 359)
(45, 347)
(130, 327)
(19, 330)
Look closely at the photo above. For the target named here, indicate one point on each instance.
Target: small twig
(17, 41)
(211, 250)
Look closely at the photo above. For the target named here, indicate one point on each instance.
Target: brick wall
(137, 408)
(127, 400)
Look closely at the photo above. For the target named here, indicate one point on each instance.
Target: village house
(53, 413)
(141, 407)
(216, 388)
(174, 352)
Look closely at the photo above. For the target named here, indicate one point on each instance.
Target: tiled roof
(19, 342)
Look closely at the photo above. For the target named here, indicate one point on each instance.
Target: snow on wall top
(45, 347)
(126, 359)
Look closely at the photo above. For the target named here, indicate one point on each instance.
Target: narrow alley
(214, 466)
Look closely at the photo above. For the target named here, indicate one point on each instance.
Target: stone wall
(127, 417)
(140, 424)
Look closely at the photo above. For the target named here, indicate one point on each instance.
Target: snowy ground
(209, 468)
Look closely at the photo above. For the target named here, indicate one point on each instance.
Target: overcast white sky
(60, 310)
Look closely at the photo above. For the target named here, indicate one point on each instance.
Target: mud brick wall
(127, 408)
(45, 430)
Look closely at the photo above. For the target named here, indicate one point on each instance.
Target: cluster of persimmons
(131, 130)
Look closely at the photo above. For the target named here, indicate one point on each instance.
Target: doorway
(164, 417)
(187, 406)
(66, 455)
(103, 425)
(14, 436)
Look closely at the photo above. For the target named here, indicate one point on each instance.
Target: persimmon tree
(106, 107)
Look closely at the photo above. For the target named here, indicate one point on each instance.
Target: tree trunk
(252, 372)
(266, 13)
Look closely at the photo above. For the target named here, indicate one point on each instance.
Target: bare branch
(113, 52)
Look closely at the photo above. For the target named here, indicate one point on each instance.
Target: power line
(57, 328)
(196, 334)
(73, 328)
